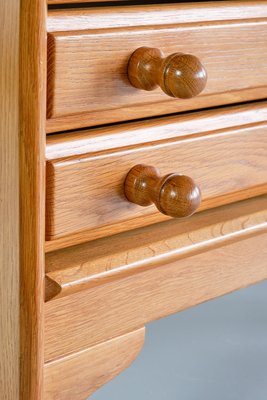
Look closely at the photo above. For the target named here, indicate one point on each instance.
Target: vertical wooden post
(9, 200)
(32, 109)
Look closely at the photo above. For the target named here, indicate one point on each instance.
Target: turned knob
(179, 75)
(175, 195)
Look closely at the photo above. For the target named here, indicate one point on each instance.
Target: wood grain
(9, 201)
(95, 263)
(32, 199)
(78, 121)
(85, 18)
(87, 191)
(78, 375)
(91, 316)
(113, 136)
(78, 84)
(94, 140)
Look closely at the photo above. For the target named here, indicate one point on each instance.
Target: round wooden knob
(175, 195)
(179, 75)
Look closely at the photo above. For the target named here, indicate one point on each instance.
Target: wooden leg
(78, 375)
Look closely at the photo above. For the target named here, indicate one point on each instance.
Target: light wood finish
(111, 137)
(95, 263)
(178, 75)
(91, 316)
(130, 16)
(100, 291)
(175, 195)
(32, 199)
(86, 191)
(84, 120)
(78, 375)
(9, 200)
(79, 84)
(167, 128)
(22, 121)
(114, 136)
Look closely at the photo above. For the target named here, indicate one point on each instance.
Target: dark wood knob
(179, 75)
(175, 195)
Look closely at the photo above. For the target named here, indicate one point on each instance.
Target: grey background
(214, 351)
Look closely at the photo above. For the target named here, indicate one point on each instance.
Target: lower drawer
(116, 285)
(224, 151)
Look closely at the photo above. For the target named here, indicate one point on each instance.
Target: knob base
(138, 183)
(142, 68)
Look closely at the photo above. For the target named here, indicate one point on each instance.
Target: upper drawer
(223, 151)
(88, 60)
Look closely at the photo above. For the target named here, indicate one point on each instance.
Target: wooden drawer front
(85, 190)
(87, 69)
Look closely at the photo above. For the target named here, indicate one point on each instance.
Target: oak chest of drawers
(119, 123)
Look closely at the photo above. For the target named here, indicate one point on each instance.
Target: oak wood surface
(9, 201)
(129, 16)
(95, 140)
(106, 260)
(86, 191)
(32, 101)
(78, 121)
(110, 137)
(101, 91)
(78, 375)
(91, 316)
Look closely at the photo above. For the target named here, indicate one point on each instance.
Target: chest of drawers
(119, 123)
